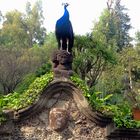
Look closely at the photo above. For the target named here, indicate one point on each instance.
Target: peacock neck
(66, 13)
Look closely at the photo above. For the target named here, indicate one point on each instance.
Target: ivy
(121, 113)
(81, 84)
(16, 101)
(94, 99)
(123, 116)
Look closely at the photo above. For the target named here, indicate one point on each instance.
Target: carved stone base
(62, 63)
(62, 73)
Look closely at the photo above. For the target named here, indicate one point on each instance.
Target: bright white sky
(82, 12)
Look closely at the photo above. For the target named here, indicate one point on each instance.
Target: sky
(83, 13)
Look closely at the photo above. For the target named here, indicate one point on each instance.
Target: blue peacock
(64, 31)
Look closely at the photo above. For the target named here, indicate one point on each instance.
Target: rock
(56, 95)
(51, 102)
(60, 104)
(58, 119)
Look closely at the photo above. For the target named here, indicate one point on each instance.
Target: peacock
(64, 31)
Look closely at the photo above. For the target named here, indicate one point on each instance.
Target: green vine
(16, 101)
(123, 116)
(81, 84)
(94, 99)
(121, 113)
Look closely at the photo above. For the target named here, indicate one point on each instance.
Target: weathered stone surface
(37, 127)
(8, 114)
(56, 95)
(62, 73)
(62, 63)
(7, 128)
(62, 60)
(58, 119)
(54, 59)
(34, 120)
(114, 133)
(51, 102)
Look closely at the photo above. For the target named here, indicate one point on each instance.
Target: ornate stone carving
(54, 59)
(65, 60)
(58, 119)
(62, 63)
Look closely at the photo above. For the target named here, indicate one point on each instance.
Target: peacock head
(65, 5)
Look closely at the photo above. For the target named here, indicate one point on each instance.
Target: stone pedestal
(62, 63)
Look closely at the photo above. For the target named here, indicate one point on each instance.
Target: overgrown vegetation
(106, 61)
(16, 101)
(96, 100)
(120, 111)
(123, 116)
(24, 47)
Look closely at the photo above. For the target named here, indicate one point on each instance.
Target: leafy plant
(123, 116)
(17, 101)
(96, 101)
(100, 103)
(81, 84)
(121, 112)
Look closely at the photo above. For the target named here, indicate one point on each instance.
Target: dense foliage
(95, 99)
(120, 112)
(17, 100)
(23, 29)
(95, 51)
(24, 47)
(105, 60)
(17, 63)
(91, 57)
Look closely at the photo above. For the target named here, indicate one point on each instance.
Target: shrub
(17, 101)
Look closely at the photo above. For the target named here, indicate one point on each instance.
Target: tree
(137, 34)
(12, 68)
(82, 59)
(12, 33)
(23, 30)
(122, 23)
(130, 58)
(50, 41)
(95, 51)
(104, 30)
(113, 79)
(16, 63)
(33, 23)
(20, 37)
(90, 58)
